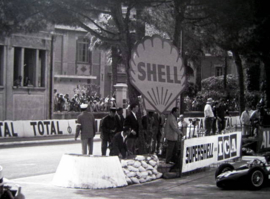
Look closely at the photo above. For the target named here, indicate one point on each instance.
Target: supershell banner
(204, 151)
(34, 128)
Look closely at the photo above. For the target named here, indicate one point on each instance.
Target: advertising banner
(198, 153)
(204, 151)
(35, 128)
(229, 146)
(157, 71)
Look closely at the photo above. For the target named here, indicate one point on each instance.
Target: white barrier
(34, 128)
(204, 151)
(37, 128)
(89, 172)
(230, 121)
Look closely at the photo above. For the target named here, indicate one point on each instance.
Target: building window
(218, 70)
(1, 65)
(29, 67)
(83, 52)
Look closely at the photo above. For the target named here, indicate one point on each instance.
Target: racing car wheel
(223, 168)
(256, 177)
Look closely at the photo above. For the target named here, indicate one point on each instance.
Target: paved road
(33, 167)
(35, 160)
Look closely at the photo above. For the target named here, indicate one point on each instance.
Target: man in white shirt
(208, 116)
(245, 120)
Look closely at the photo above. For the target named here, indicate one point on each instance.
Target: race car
(252, 175)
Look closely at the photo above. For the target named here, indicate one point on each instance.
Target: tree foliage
(22, 16)
(213, 87)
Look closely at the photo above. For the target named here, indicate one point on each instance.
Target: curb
(35, 142)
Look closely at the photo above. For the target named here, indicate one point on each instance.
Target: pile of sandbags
(141, 169)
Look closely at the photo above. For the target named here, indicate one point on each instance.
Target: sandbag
(139, 158)
(131, 174)
(135, 180)
(137, 164)
(131, 168)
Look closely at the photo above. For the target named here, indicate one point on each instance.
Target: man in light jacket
(173, 135)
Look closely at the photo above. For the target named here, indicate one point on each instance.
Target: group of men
(214, 113)
(118, 134)
(252, 119)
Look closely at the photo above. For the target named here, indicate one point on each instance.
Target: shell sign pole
(156, 70)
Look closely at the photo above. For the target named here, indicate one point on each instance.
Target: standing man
(173, 135)
(109, 126)
(87, 128)
(148, 129)
(118, 146)
(221, 112)
(120, 119)
(245, 120)
(208, 116)
(132, 121)
(214, 122)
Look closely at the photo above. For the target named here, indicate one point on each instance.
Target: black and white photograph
(137, 99)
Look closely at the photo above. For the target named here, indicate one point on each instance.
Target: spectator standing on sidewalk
(221, 111)
(120, 119)
(132, 121)
(245, 120)
(148, 128)
(86, 127)
(173, 135)
(214, 122)
(208, 116)
(109, 126)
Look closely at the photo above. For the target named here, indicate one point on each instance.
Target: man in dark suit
(118, 145)
(109, 126)
(120, 119)
(132, 121)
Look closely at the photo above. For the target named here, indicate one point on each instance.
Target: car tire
(256, 178)
(223, 168)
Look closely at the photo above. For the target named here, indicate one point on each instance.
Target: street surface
(33, 168)
(27, 161)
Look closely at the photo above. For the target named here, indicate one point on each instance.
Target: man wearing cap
(87, 128)
(208, 116)
(109, 127)
(118, 145)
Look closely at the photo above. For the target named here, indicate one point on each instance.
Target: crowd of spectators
(65, 103)
(197, 104)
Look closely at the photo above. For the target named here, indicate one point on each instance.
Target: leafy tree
(253, 76)
(213, 87)
(259, 42)
(229, 25)
(21, 16)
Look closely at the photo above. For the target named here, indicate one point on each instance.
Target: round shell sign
(157, 71)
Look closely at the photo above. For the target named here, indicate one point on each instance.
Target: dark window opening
(83, 52)
(218, 71)
(29, 67)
